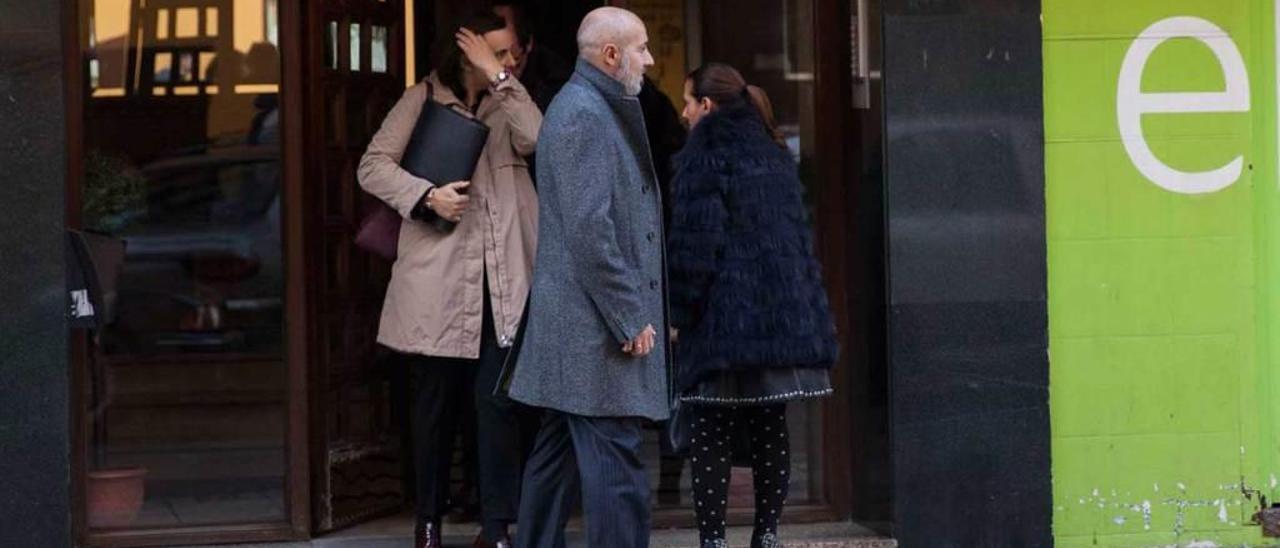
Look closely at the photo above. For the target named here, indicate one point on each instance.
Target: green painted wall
(1160, 368)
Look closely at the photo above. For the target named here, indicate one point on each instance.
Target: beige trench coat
(434, 302)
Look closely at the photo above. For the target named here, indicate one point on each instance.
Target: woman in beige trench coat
(456, 296)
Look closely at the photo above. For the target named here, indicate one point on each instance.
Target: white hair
(607, 25)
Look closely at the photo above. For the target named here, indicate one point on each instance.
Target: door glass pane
(185, 386)
(188, 22)
(378, 49)
(211, 22)
(162, 24)
(331, 45)
(164, 67)
(355, 47)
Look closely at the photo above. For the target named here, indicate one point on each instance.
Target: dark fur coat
(746, 289)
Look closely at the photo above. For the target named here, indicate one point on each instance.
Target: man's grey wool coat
(599, 276)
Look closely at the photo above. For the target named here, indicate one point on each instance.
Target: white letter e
(1132, 103)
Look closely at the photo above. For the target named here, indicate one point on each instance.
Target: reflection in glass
(272, 8)
(188, 20)
(186, 68)
(185, 387)
(164, 66)
(211, 22)
(162, 24)
(206, 61)
(355, 47)
(378, 49)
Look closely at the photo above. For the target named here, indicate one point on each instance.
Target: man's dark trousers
(598, 458)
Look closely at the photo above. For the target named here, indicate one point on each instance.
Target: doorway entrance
(841, 455)
(239, 381)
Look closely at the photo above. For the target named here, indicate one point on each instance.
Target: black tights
(711, 461)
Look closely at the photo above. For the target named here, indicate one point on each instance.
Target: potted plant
(114, 192)
(113, 496)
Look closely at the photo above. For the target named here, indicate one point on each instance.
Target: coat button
(645, 189)
(653, 284)
(650, 236)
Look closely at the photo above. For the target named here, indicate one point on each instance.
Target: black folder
(445, 145)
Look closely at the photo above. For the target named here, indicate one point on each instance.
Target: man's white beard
(631, 83)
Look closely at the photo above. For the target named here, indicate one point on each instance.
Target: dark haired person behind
(754, 327)
(666, 137)
(456, 297)
(541, 71)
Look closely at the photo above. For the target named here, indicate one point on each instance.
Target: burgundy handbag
(380, 232)
(445, 146)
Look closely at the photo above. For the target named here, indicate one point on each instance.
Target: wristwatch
(502, 76)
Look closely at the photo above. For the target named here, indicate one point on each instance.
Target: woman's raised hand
(478, 53)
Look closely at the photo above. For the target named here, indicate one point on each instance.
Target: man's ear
(611, 55)
(529, 47)
(707, 104)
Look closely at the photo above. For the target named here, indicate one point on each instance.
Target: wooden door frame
(298, 327)
(833, 101)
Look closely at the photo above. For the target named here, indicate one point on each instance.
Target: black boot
(426, 534)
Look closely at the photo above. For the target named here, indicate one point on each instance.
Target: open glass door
(182, 399)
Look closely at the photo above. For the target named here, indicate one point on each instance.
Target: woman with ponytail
(751, 316)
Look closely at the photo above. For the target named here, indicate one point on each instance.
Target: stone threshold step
(397, 533)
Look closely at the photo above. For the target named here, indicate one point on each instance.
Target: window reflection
(182, 140)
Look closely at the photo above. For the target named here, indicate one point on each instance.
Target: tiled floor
(245, 506)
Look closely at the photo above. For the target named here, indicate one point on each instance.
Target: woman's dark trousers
(504, 435)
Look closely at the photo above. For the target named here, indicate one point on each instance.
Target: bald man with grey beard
(595, 354)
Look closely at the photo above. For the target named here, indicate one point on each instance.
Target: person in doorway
(666, 136)
(541, 71)
(753, 326)
(594, 354)
(455, 297)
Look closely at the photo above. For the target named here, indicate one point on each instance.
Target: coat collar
(442, 94)
(625, 107)
(607, 85)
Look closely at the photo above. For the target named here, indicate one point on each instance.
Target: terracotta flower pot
(113, 497)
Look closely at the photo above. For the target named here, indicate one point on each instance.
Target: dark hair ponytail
(765, 107)
(726, 87)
